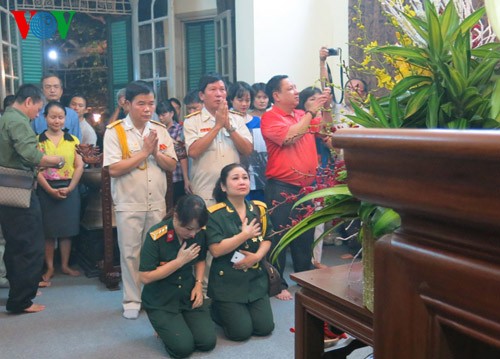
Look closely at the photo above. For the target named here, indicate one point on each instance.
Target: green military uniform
(22, 227)
(240, 301)
(168, 301)
(18, 141)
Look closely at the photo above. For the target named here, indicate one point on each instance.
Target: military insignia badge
(159, 232)
(170, 235)
(163, 148)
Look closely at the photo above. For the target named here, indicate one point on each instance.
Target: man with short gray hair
(120, 110)
(52, 90)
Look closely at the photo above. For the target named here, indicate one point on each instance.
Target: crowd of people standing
(238, 148)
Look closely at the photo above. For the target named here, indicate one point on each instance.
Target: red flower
(170, 235)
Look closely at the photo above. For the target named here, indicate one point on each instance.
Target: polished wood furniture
(333, 295)
(111, 273)
(437, 278)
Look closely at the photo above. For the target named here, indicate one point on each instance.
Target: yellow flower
(408, 10)
(404, 39)
(371, 45)
(384, 80)
(367, 60)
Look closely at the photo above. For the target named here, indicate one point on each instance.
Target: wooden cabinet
(437, 279)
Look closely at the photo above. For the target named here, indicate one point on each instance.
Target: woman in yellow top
(58, 189)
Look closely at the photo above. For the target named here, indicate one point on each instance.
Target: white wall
(285, 38)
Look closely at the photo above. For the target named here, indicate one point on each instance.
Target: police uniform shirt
(205, 169)
(172, 293)
(226, 283)
(143, 188)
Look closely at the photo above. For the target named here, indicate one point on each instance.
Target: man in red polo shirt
(292, 162)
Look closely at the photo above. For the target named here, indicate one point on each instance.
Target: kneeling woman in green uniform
(237, 284)
(172, 294)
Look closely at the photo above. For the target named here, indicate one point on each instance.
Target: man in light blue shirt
(53, 90)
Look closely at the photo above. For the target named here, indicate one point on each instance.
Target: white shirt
(138, 190)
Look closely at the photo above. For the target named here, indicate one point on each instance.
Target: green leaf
(432, 119)
(447, 108)
(458, 124)
(372, 123)
(379, 113)
(417, 101)
(468, 23)
(449, 20)
(366, 210)
(491, 50)
(363, 118)
(330, 230)
(395, 112)
(460, 54)
(495, 102)
(435, 43)
(419, 25)
(338, 190)
(385, 220)
(413, 55)
(469, 94)
(455, 82)
(344, 209)
(484, 109)
(472, 105)
(409, 83)
(482, 73)
(491, 123)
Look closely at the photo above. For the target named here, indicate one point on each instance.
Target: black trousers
(301, 247)
(24, 252)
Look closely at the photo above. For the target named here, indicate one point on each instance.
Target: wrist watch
(231, 129)
(60, 164)
(313, 115)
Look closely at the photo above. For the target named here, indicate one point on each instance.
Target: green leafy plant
(340, 204)
(442, 84)
(455, 84)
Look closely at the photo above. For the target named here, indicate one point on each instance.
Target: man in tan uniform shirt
(215, 137)
(138, 151)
